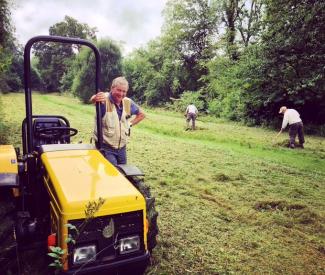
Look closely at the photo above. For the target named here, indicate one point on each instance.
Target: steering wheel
(56, 132)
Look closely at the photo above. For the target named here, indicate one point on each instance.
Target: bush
(225, 87)
(214, 107)
(315, 129)
(187, 98)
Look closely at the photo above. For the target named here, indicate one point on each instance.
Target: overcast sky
(133, 22)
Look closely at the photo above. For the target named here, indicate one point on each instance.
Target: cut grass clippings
(230, 199)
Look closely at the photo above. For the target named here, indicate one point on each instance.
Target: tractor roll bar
(27, 82)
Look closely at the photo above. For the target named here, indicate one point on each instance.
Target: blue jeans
(114, 156)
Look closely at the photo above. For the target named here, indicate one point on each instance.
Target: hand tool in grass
(276, 137)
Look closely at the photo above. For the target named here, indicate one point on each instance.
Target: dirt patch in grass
(306, 216)
(292, 214)
(277, 205)
(214, 199)
(321, 249)
(221, 177)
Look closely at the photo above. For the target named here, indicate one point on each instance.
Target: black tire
(8, 245)
(152, 214)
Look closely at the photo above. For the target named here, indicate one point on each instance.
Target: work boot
(301, 146)
(292, 146)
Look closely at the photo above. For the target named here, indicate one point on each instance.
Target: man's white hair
(120, 81)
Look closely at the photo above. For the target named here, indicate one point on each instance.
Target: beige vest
(115, 131)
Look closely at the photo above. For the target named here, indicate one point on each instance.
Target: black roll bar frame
(27, 82)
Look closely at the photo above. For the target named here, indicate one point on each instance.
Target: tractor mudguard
(8, 166)
(130, 170)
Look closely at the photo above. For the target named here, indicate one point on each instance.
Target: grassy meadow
(231, 199)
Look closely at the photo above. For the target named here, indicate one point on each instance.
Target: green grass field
(231, 200)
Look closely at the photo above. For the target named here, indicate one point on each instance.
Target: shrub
(187, 98)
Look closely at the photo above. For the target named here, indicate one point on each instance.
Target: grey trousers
(189, 117)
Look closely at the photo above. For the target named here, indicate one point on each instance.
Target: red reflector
(51, 240)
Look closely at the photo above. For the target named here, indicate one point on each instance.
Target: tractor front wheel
(152, 214)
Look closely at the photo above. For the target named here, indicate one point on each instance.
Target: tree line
(235, 59)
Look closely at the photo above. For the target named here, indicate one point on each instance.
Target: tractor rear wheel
(8, 257)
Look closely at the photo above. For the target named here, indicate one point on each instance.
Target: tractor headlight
(84, 254)
(130, 244)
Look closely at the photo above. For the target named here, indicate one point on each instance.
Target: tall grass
(231, 199)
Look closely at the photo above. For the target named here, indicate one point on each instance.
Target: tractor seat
(45, 131)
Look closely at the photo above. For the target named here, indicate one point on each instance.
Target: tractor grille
(105, 232)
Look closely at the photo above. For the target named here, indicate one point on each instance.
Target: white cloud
(132, 22)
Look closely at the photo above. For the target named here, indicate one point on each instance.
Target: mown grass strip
(229, 202)
(280, 156)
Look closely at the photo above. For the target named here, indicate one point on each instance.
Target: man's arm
(99, 97)
(186, 111)
(285, 120)
(138, 117)
(136, 113)
(284, 124)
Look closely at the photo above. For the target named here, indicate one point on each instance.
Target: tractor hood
(76, 174)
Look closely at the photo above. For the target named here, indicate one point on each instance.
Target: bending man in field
(292, 117)
(191, 114)
(117, 110)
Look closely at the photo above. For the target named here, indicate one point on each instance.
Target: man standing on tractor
(117, 110)
(191, 114)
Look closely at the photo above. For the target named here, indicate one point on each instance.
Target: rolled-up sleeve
(135, 109)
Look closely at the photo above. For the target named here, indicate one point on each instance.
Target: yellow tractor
(50, 183)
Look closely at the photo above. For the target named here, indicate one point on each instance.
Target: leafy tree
(230, 9)
(138, 70)
(291, 70)
(36, 81)
(72, 28)
(84, 66)
(175, 62)
(188, 33)
(249, 22)
(224, 88)
(5, 22)
(14, 75)
(6, 43)
(54, 59)
(153, 74)
(241, 23)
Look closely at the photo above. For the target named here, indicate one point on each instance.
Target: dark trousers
(296, 128)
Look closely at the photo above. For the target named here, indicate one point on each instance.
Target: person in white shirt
(292, 117)
(191, 114)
